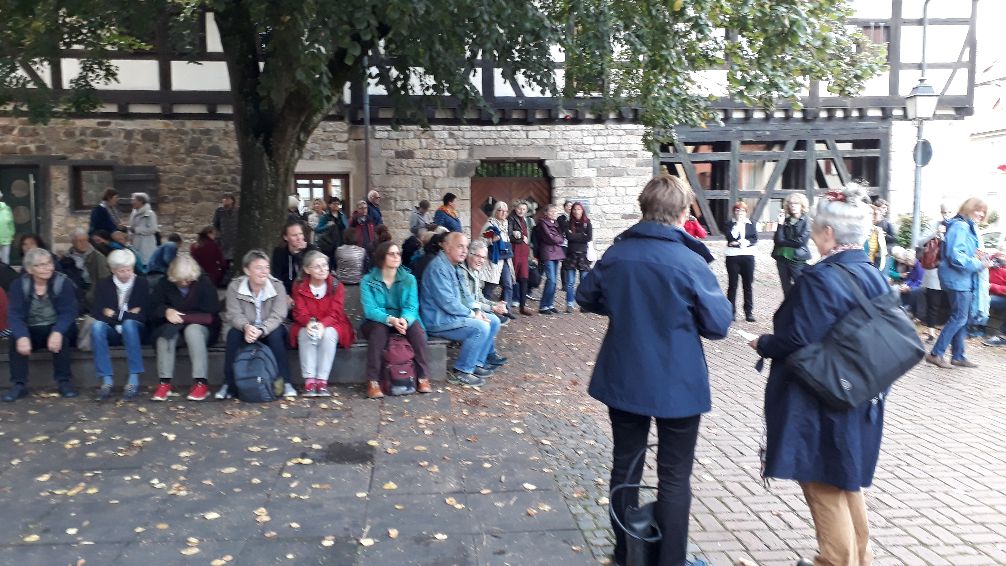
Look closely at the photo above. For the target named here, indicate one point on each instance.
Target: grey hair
(121, 258)
(801, 199)
(477, 245)
(851, 220)
(517, 203)
(310, 258)
(253, 255)
(142, 197)
(34, 256)
(500, 204)
(78, 232)
(183, 268)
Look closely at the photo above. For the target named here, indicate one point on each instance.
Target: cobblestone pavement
(940, 491)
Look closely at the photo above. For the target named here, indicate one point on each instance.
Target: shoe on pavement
(483, 371)
(104, 392)
(130, 392)
(965, 363)
(16, 391)
(423, 385)
(569, 309)
(374, 390)
(496, 360)
(750, 318)
(199, 392)
(459, 377)
(162, 392)
(310, 389)
(321, 390)
(995, 341)
(526, 312)
(67, 390)
(546, 311)
(510, 315)
(938, 361)
(288, 391)
(530, 297)
(223, 393)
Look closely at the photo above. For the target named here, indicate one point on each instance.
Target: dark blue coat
(659, 296)
(101, 219)
(807, 441)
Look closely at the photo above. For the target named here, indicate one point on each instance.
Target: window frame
(77, 203)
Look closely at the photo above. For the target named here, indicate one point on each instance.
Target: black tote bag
(863, 354)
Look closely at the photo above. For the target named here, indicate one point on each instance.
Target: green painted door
(22, 195)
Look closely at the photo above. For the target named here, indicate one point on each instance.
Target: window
(88, 184)
(310, 186)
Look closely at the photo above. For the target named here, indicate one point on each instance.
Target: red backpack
(930, 258)
(398, 376)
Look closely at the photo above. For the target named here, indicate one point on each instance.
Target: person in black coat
(286, 259)
(791, 252)
(119, 311)
(742, 235)
(579, 232)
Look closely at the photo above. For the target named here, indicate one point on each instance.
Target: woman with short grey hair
(143, 226)
(120, 314)
(184, 304)
(42, 312)
(832, 453)
(498, 270)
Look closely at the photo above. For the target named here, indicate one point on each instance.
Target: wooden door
(22, 194)
(487, 191)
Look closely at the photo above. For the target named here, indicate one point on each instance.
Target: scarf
(448, 210)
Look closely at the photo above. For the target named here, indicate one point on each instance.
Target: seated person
(120, 313)
(997, 297)
(320, 324)
(390, 299)
(478, 251)
(41, 313)
(446, 311)
(120, 241)
(184, 303)
(287, 258)
(431, 247)
(164, 254)
(208, 254)
(905, 274)
(256, 308)
(350, 258)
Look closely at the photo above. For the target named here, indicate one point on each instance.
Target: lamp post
(920, 105)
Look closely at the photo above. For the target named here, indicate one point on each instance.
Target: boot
(423, 385)
(526, 311)
(374, 390)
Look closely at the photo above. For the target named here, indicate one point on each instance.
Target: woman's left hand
(754, 344)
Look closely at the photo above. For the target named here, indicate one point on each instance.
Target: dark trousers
(742, 266)
(276, 340)
(935, 312)
(522, 284)
(377, 335)
(788, 272)
(39, 336)
(676, 440)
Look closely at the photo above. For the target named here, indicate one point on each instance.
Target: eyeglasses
(396, 254)
(479, 256)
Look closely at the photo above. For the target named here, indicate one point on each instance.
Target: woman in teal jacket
(390, 298)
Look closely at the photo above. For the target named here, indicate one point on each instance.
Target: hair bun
(856, 192)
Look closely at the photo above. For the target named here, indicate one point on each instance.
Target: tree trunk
(266, 181)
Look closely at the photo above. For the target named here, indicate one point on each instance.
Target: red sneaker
(199, 392)
(162, 392)
(310, 385)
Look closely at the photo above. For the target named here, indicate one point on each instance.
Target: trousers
(843, 532)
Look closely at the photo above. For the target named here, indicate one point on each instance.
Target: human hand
(23, 346)
(401, 325)
(55, 343)
(499, 308)
(109, 313)
(252, 333)
(173, 316)
(754, 344)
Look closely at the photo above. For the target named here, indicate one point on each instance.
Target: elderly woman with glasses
(498, 270)
(120, 313)
(320, 324)
(184, 304)
(42, 311)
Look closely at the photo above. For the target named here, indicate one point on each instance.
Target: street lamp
(920, 105)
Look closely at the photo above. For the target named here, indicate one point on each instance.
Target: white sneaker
(223, 393)
(289, 391)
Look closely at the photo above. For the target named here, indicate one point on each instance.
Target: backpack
(930, 258)
(255, 371)
(398, 375)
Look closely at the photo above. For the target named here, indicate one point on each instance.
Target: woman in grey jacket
(143, 226)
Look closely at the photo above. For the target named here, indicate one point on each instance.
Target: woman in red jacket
(319, 322)
(208, 255)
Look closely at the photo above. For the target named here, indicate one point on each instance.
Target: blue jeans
(103, 335)
(997, 307)
(477, 339)
(551, 267)
(956, 329)
(571, 284)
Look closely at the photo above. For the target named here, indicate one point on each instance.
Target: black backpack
(255, 373)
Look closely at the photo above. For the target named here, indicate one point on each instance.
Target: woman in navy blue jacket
(661, 298)
(120, 313)
(832, 453)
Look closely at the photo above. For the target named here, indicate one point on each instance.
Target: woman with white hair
(184, 303)
(832, 453)
(143, 226)
(42, 311)
(498, 270)
(120, 313)
(791, 237)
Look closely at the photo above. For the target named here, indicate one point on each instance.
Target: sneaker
(514, 304)
(546, 311)
(104, 392)
(496, 360)
(130, 392)
(530, 297)
(569, 309)
(309, 388)
(199, 392)
(964, 363)
(162, 392)
(16, 391)
(67, 390)
(483, 371)
(288, 391)
(937, 361)
(423, 385)
(321, 390)
(995, 341)
(223, 393)
(459, 377)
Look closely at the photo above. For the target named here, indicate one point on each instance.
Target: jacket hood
(375, 273)
(661, 231)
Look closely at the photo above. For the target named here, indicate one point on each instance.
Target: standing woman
(209, 256)
(963, 258)
(143, 227)
(390, 298)
(741, 238)
(317, 211)
(319, 322)
(447, 215)
(120, 313)
(520, 241)
(579, 232)
(791, 237)
(651, 363)
(550, 240)
(832, 453)
(499, 269)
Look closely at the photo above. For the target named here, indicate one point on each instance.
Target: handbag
(863, 354)
(639, 523)
(533, 274)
